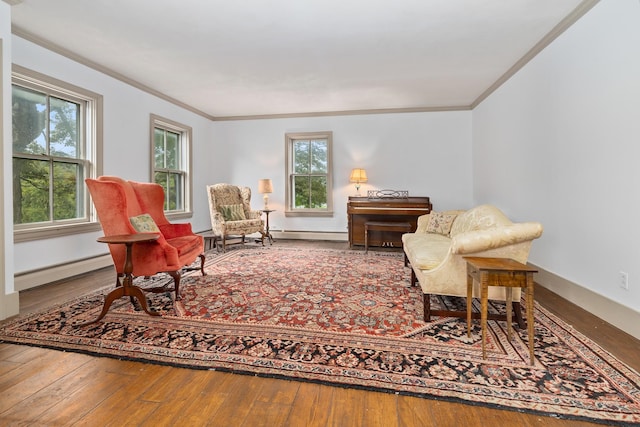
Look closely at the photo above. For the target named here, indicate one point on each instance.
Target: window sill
(318, 214)
(41, 233)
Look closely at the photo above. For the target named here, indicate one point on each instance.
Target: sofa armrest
(254, 215)
(423, 222)
(492, 238)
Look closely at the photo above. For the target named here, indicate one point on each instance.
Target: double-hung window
(171, 163)
(309, 170)
(56, 145)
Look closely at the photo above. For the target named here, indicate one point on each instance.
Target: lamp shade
(358, 175)
(265, 186)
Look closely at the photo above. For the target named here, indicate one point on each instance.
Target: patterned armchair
(231, 214)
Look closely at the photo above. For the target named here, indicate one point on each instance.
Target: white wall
(560, 143)
(428, 154)
(126, 147)
(8, 297)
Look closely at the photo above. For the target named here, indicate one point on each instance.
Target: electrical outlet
(624, 280)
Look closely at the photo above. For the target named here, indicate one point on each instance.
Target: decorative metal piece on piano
(387, 194)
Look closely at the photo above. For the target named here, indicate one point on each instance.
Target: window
(56, 145)
(171, 163)
(309, 184)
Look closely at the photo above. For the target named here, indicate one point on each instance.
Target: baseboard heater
(310, 235)
(31, 279)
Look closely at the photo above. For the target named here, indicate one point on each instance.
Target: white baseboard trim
(32, 279)
(10, 305)
(620, 316)
(311, 235)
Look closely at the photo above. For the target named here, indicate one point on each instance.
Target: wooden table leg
(530, 326)
(127, 289)
(469, 303)
(484, 284)
(509, 294)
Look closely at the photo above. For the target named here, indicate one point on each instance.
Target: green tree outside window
(48, 167)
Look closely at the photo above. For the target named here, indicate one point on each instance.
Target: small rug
(345, 318)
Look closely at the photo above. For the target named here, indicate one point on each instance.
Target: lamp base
(266, 202)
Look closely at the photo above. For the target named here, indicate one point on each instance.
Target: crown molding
(13, 2)
(343, 113)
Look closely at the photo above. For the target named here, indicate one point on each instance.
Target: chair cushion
(232, 212)
(144, 224)
(186, 244)
(246, 226)
(426, 251)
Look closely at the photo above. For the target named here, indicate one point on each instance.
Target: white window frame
(92, 138)
(290, 138)
(184, 167)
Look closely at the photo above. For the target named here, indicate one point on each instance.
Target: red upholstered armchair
(117, 201)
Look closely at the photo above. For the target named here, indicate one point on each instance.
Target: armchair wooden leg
(413, 277)
(176, 283)
(202, 259)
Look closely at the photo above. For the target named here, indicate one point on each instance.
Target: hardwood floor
(53, 388)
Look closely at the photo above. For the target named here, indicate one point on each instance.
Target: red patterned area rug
(350, 319)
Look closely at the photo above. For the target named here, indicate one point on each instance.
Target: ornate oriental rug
(350, 319)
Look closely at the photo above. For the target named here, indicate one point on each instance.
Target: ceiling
(249, 58)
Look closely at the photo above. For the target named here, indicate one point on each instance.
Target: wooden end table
(267, 233)
(126, 287)
(499, 272)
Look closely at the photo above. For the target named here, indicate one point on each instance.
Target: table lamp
(265, 187)
(358, 176)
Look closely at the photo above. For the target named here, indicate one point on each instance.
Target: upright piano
(383, 209)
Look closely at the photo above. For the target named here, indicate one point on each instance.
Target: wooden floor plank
(37, 375)
(347, 407)
(175, 401)
(239, 400)
(272, 404)
(67, 408)
(132, 387)
(206, 404)
(380, 409)
(311, 406)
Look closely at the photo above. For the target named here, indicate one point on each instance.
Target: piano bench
(399, 227)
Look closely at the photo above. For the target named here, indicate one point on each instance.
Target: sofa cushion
(426, 251)
(232, 212)
(440, 222)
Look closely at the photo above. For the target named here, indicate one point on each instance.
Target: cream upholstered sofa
(231, 213)
(437, 249)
